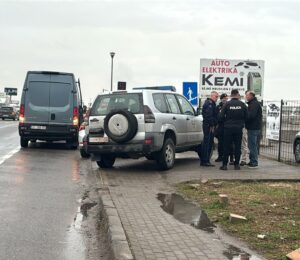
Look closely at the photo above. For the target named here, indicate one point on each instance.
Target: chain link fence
(281, 123)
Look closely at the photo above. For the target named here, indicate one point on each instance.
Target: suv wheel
(120, 125)
(23, 142)
(84, 154)
(297, 151)
(106, 161)
(166, 156)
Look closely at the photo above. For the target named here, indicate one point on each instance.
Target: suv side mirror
(199, 111)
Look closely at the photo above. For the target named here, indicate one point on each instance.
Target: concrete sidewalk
(152, 233)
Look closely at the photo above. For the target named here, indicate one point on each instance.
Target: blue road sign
(190, 91)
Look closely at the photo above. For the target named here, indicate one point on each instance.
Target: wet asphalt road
(40, 189)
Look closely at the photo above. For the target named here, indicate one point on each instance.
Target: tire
(84, 154)
(120, 125)
(73, 144)
(106, 161)
(297, 151)
(166, 156)
(23, 142)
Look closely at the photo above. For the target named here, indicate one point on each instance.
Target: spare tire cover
(120, 125)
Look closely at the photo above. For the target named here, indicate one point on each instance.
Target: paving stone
(149, 229)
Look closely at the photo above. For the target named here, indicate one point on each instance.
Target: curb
(119, 246)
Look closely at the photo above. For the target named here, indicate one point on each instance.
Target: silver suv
(151, 123)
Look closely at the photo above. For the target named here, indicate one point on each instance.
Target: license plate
(38, 127)
(98, 139)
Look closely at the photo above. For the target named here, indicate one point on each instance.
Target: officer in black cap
(219, 133)
(210, 120)
(234, 114)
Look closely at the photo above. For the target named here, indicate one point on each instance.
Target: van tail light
(75, 116)
(148, 114)
(22, 115)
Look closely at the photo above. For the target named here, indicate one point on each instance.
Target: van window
(38, 93)
(60, 94)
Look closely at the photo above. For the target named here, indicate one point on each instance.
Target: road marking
(4, 126)
(10, 154)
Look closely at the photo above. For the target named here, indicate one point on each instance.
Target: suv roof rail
(168, 88)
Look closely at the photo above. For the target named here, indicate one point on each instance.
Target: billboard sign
(190, 91)
(223, 75)
(273, 119)
(11, 91)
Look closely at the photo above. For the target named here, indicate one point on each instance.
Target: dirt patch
(272, 210)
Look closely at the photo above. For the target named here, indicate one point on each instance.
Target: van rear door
(37, 101)
(61, 100)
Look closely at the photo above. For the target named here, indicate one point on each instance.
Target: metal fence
(287, 125)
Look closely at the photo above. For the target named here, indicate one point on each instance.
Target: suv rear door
(193, 122)
(178, 120)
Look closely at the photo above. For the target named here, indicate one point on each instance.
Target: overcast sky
(156, 42)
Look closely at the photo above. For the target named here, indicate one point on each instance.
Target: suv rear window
(106, 103)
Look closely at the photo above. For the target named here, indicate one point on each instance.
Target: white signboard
(224, 75)
(273, 119)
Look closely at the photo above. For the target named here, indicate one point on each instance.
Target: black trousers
(232, 136)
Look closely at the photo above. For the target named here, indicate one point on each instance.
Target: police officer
(210, 120)
(219, 132)
(234, 114)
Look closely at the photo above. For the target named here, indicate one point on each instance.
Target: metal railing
(284, 120)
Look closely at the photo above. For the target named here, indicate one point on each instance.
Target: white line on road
(10, 154)
(4, 126)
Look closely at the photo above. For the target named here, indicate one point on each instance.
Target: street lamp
(112, 54)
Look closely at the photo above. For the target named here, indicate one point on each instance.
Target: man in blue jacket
(210, 120)
(253, 126)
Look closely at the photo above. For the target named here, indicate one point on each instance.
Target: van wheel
(297, 151)
(166, 156)
(24, 143)
(106, 161)
(72, 144)
(84, 154)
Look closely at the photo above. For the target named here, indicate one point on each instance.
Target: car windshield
(106, 103)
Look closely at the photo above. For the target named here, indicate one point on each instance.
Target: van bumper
(50, 133)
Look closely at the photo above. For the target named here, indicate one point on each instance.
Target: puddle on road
(235, 253)
(188, 213)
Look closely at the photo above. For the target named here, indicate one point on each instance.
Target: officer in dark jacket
(219, 133)
(234, 115)
(253, 126)
(210, 120)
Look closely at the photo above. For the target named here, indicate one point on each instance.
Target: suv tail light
(148, 114)
(22, 115)
(75, 116)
